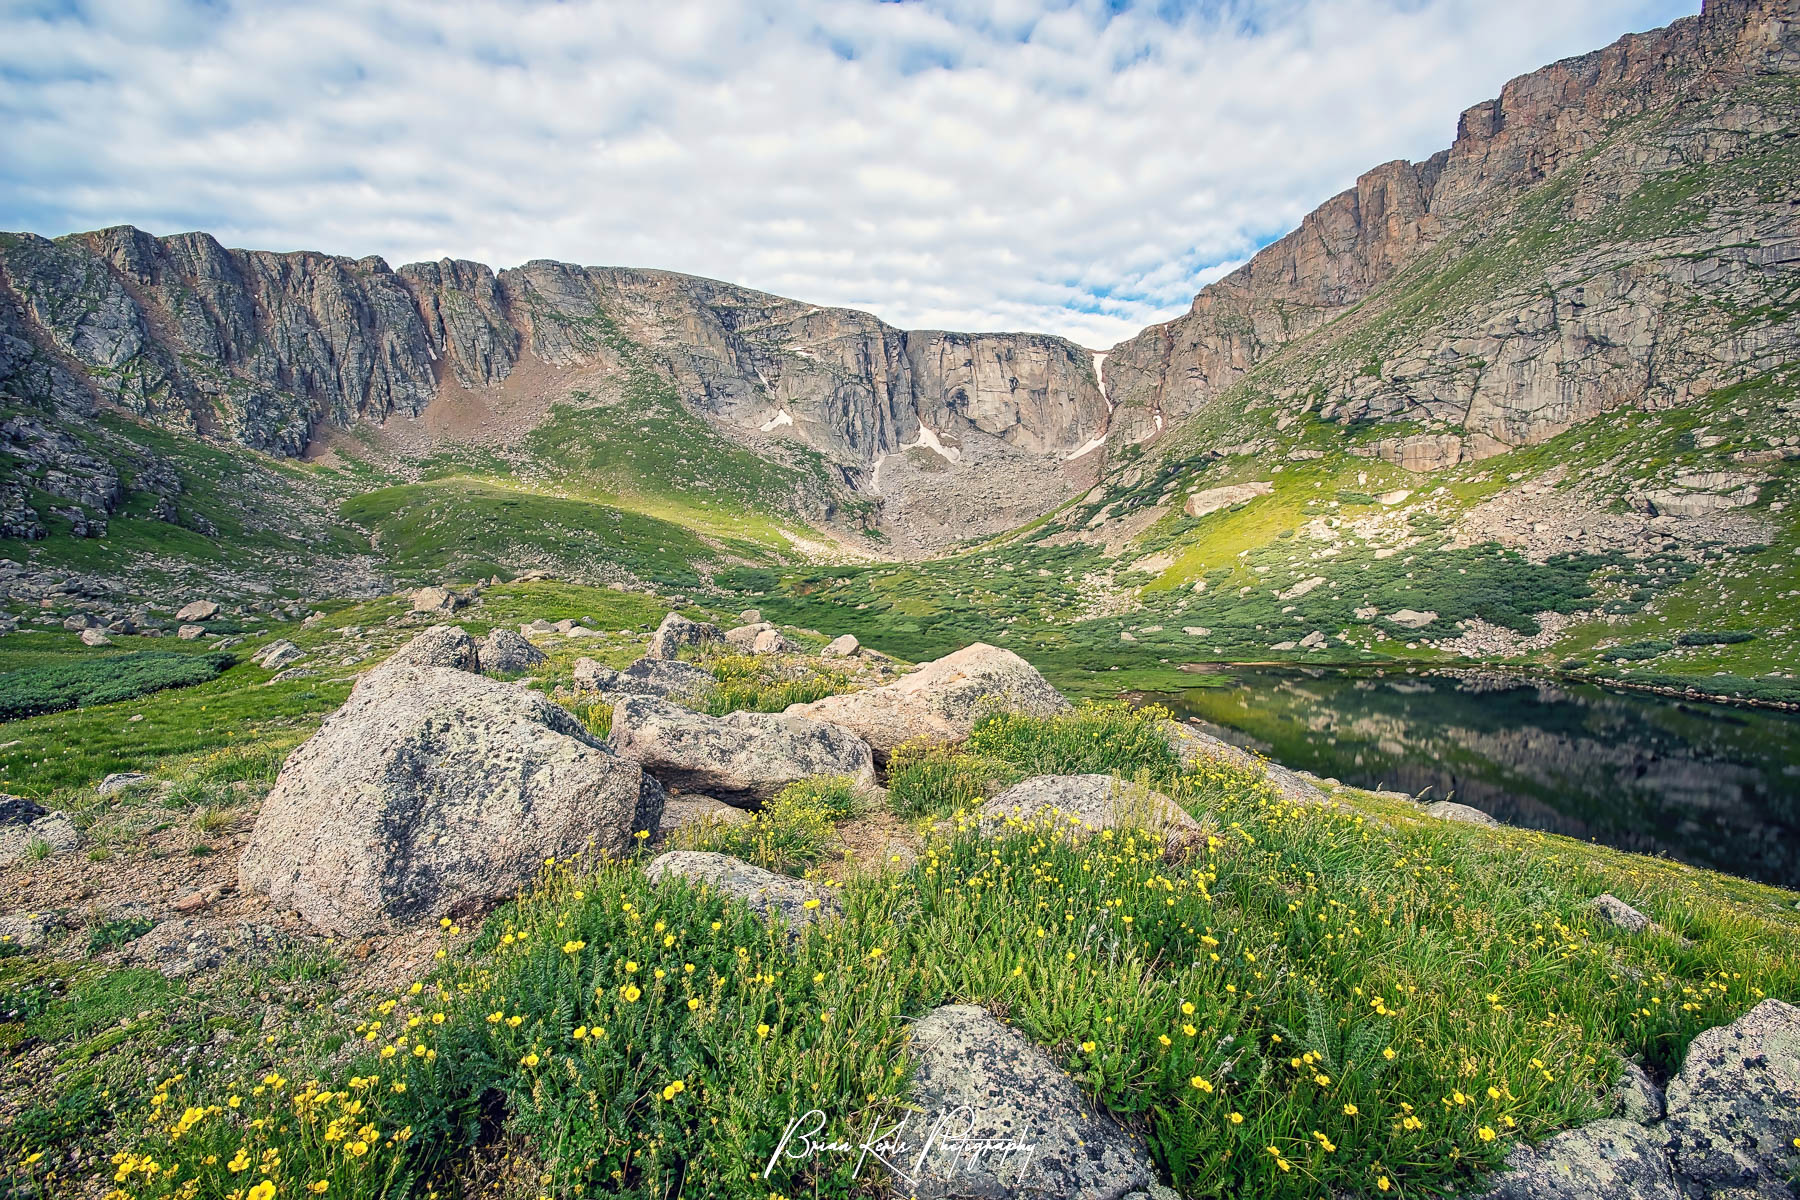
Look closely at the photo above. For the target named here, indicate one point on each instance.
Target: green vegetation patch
(84, 682)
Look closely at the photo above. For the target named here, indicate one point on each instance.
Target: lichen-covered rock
(677, 633)
(433, 791)
(1636, 1098)
(1095, 801)
(941, 700)
(1734, 1107)
(1194, 747)
(26, 825)
(987, 1082)
(1450, 810)
(742, 758)
(1605, 1160)
(503, 652)
(663, 678)
(439, 646)
(796, 902)
(1616, 912)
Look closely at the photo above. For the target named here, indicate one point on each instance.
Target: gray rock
(1734, 1107)
(187, 945)
(771, 641)
(1616, 912)
(95, 637)
(1607, 1160)
(436, 600)
(743, 637)
(681, 811)
(764, 891)
(433, 791)
(742, 758)
(439, 646)
(750, 616)
(277, 656)
(677, 633)
(26, 931)
(1192, 747)
(503, 652)
(1636, 1098)
(983, 1080)
(841, 647)
(188, 633)
(76, 622)
(1450, 810)
(26, 824)
(1097, 801)
(663, 678)
(120, 781)
(198, 610)
(941, 700)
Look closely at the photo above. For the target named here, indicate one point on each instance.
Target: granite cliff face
(274, 350)
(1615, 229)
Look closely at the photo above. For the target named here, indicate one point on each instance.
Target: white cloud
(1033, 164)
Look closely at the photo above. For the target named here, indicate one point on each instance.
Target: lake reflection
(1708, 784)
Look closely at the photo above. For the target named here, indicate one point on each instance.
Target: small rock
(770, 641)
(750, 616)
(743, 637)
(503, 652)
(683, 810)
(26, 824)
(664, 678)
(742, 758)
(677, 633)
(439, 646)
(1450, 810)
(436, 600)
(188, 633)
(1097, 801)
(95, 637)
(277, 655)
(841, 647)
(198, 610)
(764, 891)
(26, 931)
(1408, 618)
(1614, 911)
(120, 781)
(1636, 1098)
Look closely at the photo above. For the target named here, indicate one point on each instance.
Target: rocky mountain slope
(283, 352)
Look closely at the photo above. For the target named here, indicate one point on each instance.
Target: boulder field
(437, 791)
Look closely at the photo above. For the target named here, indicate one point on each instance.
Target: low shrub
(1719, 637)
(790, 832)
(1636, 651)
(90, 681)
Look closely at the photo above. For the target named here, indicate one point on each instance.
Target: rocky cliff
(273, 350)
(1614, 229)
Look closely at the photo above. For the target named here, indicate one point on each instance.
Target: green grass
(1363, 990)
(103, 680)
(790, 833)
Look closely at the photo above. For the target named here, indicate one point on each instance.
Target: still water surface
(1709, 784)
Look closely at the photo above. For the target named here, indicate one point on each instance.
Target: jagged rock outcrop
(273, 350)
(1517, 283)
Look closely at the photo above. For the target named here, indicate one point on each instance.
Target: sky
(1079, 167)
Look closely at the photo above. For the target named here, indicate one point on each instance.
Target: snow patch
(929, 440)
(781, 417)
(1088, 448)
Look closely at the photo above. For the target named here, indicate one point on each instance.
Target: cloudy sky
(1075, 166)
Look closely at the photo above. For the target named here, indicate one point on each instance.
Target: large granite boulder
(439, 646)
(743, 758)
(1095, 801)
(503, 652)
(796, 902)
(1734, 1107)
(664, 678)
(988, 1083)
(677, 633)
(941, 700)
(25, 825)
(434, 791)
